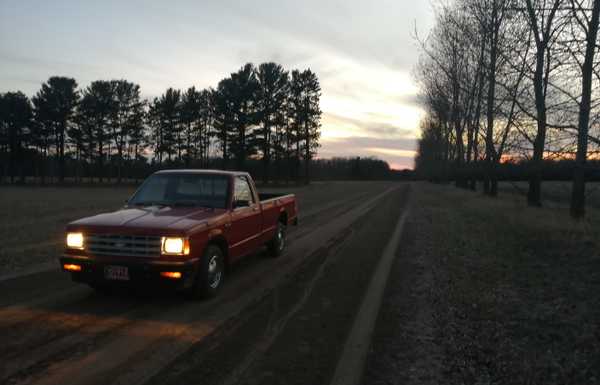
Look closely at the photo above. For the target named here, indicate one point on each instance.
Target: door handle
(227, 225)
(255, 208)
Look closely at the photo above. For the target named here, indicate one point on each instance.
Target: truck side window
(242, 190)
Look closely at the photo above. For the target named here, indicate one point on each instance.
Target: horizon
(369, 99)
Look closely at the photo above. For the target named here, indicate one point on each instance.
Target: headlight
(175, 246)
(75, 241)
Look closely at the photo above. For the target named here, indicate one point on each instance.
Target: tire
(277, 245)
(211, 272)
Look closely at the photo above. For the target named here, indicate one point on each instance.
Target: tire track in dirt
(226, 355)
(275, 326)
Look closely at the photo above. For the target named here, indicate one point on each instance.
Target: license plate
(118, 273)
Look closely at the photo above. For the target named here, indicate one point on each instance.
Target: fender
(217, 236)
(216, 233)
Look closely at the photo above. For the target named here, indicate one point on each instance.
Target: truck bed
(268, 196)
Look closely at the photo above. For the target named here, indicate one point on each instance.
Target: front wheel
(277, 244)
(210, 273)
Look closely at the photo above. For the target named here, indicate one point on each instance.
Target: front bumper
(141, 272)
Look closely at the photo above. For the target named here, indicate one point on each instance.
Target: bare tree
(589, 26)
(541, 20)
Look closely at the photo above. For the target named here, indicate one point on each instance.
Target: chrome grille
(123, 245)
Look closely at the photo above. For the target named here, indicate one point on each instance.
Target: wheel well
(221, 243)
(283, 218)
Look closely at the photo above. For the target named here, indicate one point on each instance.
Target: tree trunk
(477, 120)
(535, 177)
(278, 167)
(288, 149)
(493, 189)
(578, 192)
(61, 156)
(307, 154)
(534, 195)
(297, 161)
(458, 132)
(224, 149)
(489, 135)
(241, 153)
(135, 157)
(446, 154)
(12, 152)
(43, 167)
(487, 178)
(119, 164)
(100, 162)
(266, 152)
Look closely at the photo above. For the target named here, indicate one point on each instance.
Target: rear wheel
(277, 244)
(210, 274)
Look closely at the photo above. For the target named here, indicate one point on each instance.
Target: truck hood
(150, 218)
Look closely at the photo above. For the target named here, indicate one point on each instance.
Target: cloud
(363, 53)
(30, 61)
(399, 153)
(392, 152)
(357, 127)
(415, 100)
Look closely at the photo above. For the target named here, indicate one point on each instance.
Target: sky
(363, 52)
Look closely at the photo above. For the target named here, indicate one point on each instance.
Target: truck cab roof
(201, 171)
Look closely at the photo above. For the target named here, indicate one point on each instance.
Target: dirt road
(276, 321)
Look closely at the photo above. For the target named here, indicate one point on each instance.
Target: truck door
(246, 219)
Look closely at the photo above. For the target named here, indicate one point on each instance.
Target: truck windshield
(183, 190)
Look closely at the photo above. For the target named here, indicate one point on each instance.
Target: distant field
(34, 218)
(555, 192)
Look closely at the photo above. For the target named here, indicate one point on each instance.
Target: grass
(516, 289)
(34, 219)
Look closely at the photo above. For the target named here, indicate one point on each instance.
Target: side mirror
(240, 203)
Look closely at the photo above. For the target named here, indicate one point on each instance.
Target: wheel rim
(281, 237)
(214, 272)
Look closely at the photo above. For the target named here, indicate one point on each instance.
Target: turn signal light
(71, 267)
(171, 274)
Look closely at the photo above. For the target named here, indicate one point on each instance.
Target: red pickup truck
(180, 228)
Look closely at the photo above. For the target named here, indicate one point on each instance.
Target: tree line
(259, 113)
(356, 168)
(510, 81)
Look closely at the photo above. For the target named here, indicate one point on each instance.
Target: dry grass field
(31, 231)
(522, 288)
(501, 293)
